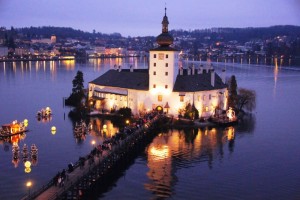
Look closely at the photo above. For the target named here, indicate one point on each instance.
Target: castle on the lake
(163, 86)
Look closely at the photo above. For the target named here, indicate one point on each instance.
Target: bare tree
(246, 99)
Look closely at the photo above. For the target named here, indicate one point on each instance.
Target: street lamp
(93, 143)
(28, 185)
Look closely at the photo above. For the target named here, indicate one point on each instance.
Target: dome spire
(165, 39)
(165, 22)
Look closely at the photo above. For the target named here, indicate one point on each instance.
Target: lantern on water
(27, 164)
(27, 170)
(53, 130)
(25, 122)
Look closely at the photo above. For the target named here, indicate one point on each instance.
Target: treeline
(216, 34)
(63, 33)
(240, 34)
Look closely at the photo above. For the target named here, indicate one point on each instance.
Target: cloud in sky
(141, 17)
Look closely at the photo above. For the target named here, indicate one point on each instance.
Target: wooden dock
(81, 179)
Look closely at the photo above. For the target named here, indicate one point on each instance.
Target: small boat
(15, 151)
(80, 129)
(34, 150)
(44, 114)
(13, 128)
(25, 153)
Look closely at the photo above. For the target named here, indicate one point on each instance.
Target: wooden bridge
(96, 168)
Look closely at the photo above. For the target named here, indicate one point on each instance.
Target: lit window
(154, 64)
(199, 97)
(167, 64)
(206, 109)
(166, 86)
(181, 98)
(160, 97)
(154, 73)
(121, 98)
(111, 96)
(166, 73)
(154, 85)
(167, 56)
(154, 56)
(203, 97)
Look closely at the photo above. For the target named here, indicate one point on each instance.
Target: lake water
(260, 162)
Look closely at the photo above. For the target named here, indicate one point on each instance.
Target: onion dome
(165, 39)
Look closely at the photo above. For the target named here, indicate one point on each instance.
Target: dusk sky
(142, 18)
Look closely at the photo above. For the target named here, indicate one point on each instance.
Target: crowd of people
(109, 146)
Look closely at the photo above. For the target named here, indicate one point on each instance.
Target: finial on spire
(165, 9)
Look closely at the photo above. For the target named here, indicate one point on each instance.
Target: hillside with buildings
(54, 42)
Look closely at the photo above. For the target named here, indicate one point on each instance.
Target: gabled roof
(197, 82)
(138, 79)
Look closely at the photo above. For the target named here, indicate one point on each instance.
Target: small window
(154, 64)
(167, 64)
(167, 56)
(154, 85)
(206, 109)
(154, 56)
(154, 73)
(166, 86)
(209, 97)
(116, 97)
(121, 98)
(181, 98)
(166, 73)
(199, 97)
(160, 97)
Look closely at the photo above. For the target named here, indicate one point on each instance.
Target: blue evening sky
(143, 17)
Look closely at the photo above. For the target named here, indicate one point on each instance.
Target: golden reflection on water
(102, 128)
(275, 75)
(70, 64)
(179, 149)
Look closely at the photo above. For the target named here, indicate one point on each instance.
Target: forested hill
(221, 34)
(241, 34)
(62, 32)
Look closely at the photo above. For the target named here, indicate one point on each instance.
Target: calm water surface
(260, 162)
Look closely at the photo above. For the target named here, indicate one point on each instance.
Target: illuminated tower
(163, 66)
(53, 39)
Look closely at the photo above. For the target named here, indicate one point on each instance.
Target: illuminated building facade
(164, 84)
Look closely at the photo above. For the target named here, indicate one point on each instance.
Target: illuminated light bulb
(27, 164)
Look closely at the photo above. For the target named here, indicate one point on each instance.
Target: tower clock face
(161, 56)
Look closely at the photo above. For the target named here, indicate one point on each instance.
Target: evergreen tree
(232, 98)
(77, 95)
(78, 83)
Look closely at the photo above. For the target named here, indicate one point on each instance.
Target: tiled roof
(197, 82)
(138, 79)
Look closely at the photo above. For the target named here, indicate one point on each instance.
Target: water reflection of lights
(70, 64)
(230, 133)
(275, 75)
(159, 153)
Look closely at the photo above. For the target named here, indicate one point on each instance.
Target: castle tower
(163, 65)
